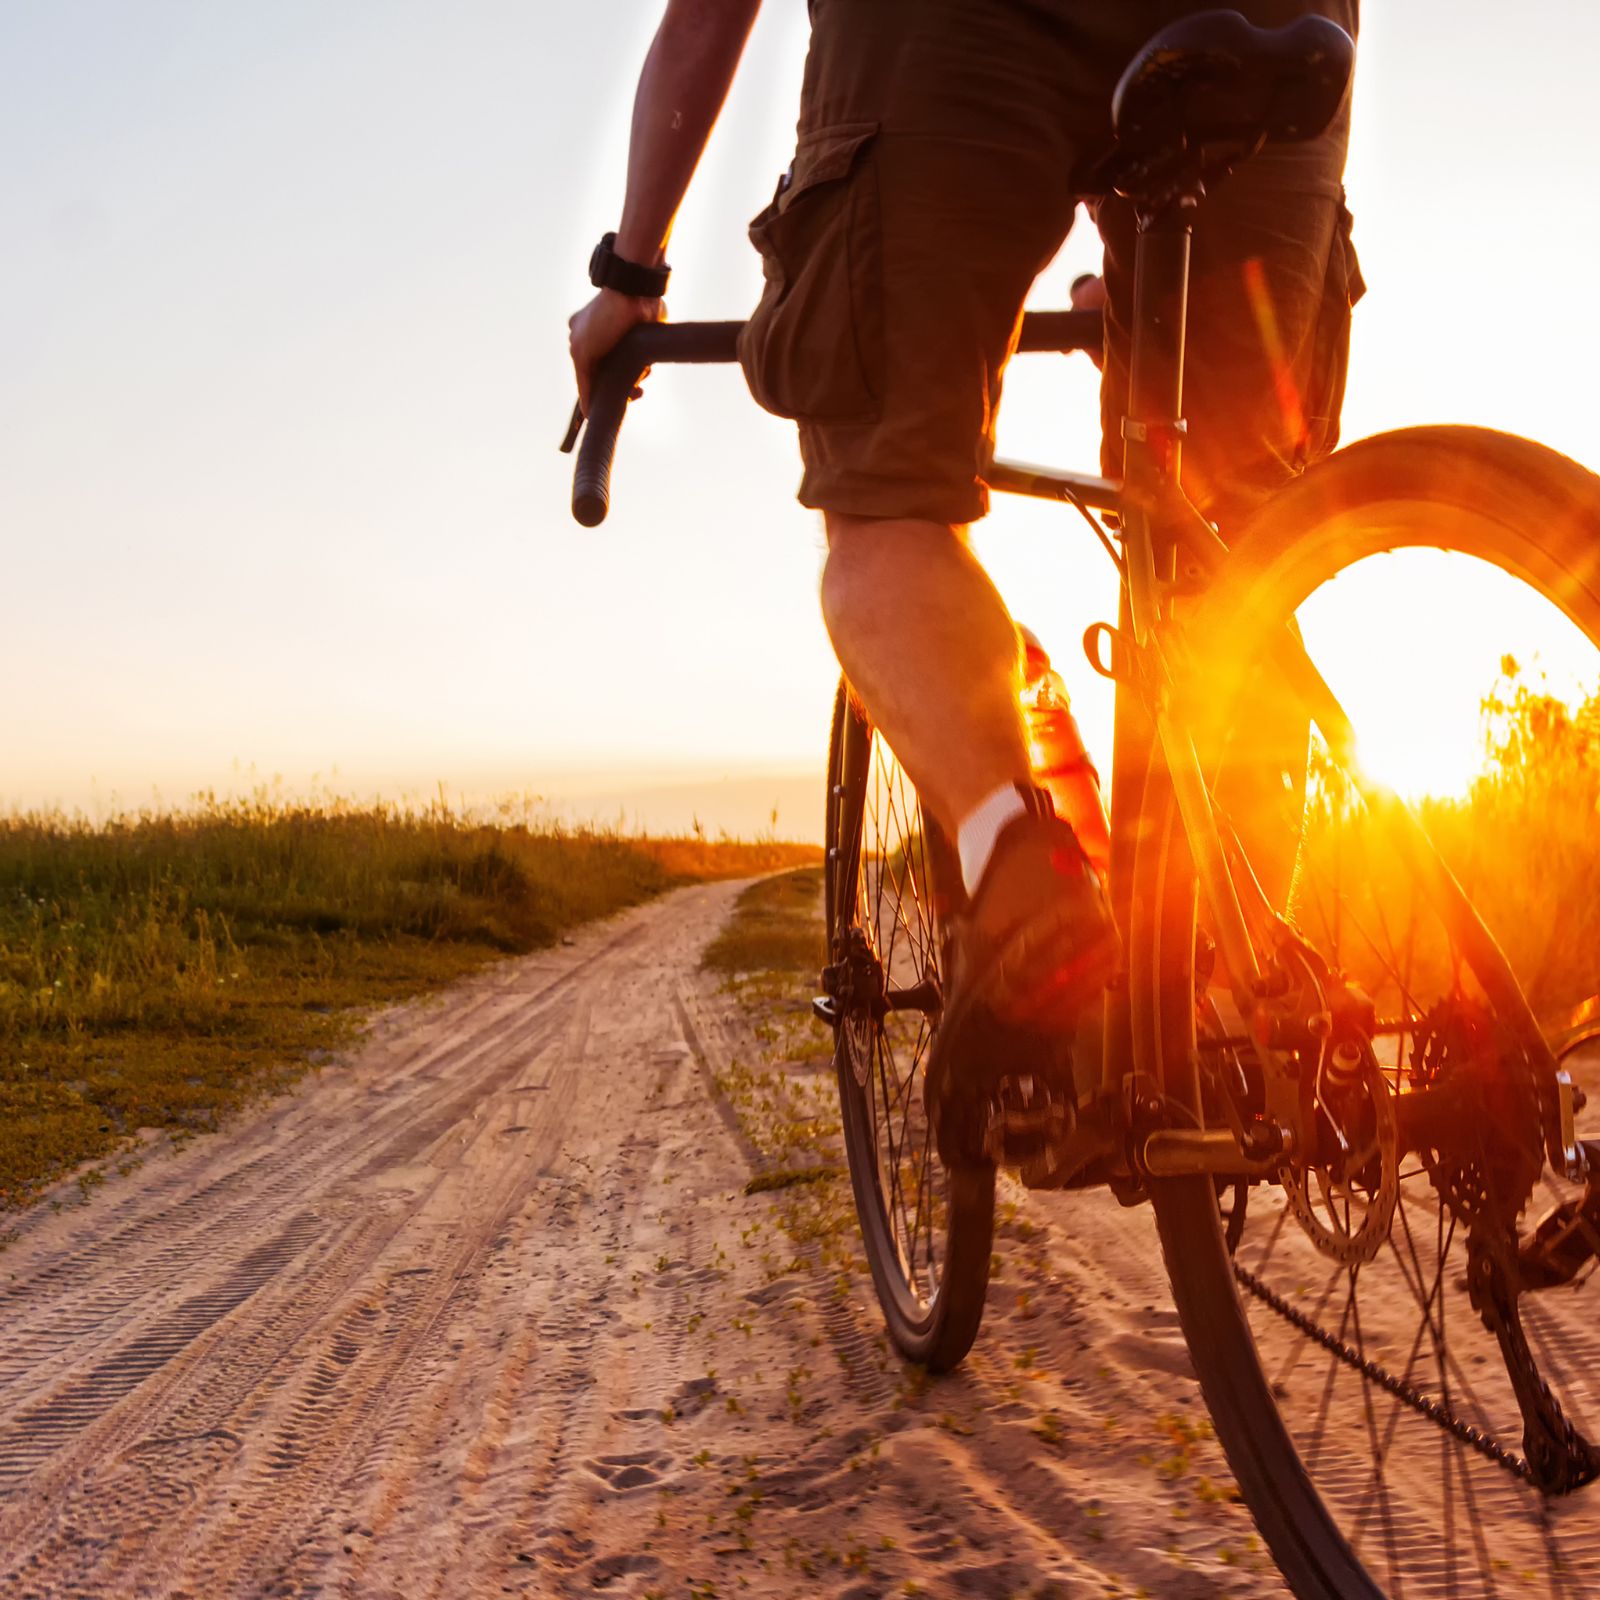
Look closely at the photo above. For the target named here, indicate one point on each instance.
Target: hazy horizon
(716, 800)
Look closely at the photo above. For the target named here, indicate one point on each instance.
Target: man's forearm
(682, 86)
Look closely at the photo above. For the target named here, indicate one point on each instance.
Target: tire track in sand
(192, 1372)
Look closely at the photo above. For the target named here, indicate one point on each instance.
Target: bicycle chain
(1567, 1460)
(1434, 1410)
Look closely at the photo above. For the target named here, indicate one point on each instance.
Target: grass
(157, 971)
(1523, 842)
(788, 1177)
(775, 930)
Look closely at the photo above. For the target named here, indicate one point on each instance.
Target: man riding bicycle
(943, 146)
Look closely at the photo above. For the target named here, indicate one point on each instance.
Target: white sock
(981, 830)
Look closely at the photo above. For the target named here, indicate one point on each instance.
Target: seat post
(1154, 428)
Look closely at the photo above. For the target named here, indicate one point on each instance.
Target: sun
(1415, 642)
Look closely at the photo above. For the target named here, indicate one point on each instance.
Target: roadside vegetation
(158, 970)
(1521, 841)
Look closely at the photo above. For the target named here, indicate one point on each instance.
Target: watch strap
(608, 270)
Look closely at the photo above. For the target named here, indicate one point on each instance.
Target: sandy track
(484, 1309)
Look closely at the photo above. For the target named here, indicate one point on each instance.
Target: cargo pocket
(1331, 358)
(813, 347)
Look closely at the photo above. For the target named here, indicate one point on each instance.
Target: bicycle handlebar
(653, 342)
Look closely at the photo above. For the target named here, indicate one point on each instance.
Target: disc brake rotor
(1356, 1167)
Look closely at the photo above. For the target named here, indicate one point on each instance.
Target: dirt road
(484, 1309)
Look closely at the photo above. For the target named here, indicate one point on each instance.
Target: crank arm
(1217, 1152)
(1093, 1145)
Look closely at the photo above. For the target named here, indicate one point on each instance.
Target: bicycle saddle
(1216, 79)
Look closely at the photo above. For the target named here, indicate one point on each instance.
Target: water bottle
(1060, 762)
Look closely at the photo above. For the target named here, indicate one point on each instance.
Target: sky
(282, 373)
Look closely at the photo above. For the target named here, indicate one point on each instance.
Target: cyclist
(943, 145)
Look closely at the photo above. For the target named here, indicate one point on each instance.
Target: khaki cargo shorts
(943, 146)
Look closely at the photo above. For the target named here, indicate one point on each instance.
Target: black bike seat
(1217, 79)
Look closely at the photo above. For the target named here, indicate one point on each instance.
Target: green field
(158, 971)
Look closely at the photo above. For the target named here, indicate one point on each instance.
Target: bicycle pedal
(1027, 1119)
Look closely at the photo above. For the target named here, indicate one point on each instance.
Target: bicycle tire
(930, 1276)
(1535, 516)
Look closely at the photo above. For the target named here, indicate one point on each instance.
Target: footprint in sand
(693, 1396)
(636, 1471)
(787, 1291)
(606, 1571)
(1153, 1354)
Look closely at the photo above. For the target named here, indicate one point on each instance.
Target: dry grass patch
(775, 931)
(158, 970)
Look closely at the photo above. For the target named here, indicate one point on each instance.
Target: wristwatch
(608, 270)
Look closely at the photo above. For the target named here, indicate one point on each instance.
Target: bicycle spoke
(898, 923)
(1333, 1369)
(1272, 1243)
(1380, 1483)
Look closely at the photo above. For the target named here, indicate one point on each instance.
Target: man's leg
(931, 184)
(927, 642)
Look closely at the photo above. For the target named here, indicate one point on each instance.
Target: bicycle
(1331, 1113)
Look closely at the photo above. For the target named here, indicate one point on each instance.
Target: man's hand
(596, 330)
(1089, 294)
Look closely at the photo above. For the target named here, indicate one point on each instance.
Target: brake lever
(574, 428)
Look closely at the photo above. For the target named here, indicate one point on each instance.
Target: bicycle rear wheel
(928, 1232)
(1401, 1366)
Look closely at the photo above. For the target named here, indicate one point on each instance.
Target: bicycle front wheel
(1395, 1338)
(928, 1232)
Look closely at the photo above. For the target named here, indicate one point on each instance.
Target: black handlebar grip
(616, 379)
(1061, 331)
(614, 382)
